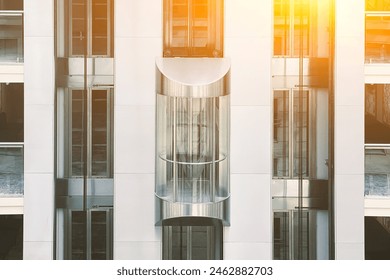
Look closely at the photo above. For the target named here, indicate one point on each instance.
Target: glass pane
(301, 27)
(377, 5)
(300, 133)
(200, 242)
(99, 133)
(100, 23)
(281, 133)
(193, 28)
(79, 237)
(11, 112)
(78, 27)
(377, 38)
(15, 5)
(377, 114)
(301, 235)
(77, 130)
(377, 172)
(11, 42)
(99, 235)
(281, 236)
(11, 171)
(282, 27)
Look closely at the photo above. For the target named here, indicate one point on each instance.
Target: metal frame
(88, 130)
(292, 215)
(311, 136)
(88, 227)
(291, 30)
(89, 5)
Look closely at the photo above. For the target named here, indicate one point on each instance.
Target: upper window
(193, 28)
(292, 27)
(377, 31)
(85, 28)
(11, 30)
(11, 139)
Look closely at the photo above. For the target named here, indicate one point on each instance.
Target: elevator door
(294, 235)
(90, 235)
(189, 239)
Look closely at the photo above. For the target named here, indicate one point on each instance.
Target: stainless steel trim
(285, 194)
(193, 77)
(167, 209)
(74, 187)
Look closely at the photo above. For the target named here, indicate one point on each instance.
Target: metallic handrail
(161, 156)
(376, 146)
(11, 144)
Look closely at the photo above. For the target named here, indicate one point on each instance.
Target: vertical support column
(248, 42)
(138, 41)
(38, 129)
(349, 130)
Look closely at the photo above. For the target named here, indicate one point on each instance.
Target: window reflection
(193, 28)
(291, 34)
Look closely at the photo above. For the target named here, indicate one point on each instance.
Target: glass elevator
(84, 124)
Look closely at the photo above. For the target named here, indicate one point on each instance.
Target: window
(11, 139)
(192, 238)
(90, 128)
(291, 134)
(377, 140)
(193, 28)
(90, 27)
(11, 29)
(292, 18)
(377, 31)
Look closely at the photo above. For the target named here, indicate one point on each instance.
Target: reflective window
(11, 139)
(11, 30)
(377, 5)
(90, 235)
(193, 28)
(292, 236)
(192, 239)
(292, 27)
(90, 27)
(377, 31)
(291, 137)
(377, 140)
(87, 133)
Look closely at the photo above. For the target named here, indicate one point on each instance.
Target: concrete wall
(38, 129)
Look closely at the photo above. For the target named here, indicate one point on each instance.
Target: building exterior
(194, 129)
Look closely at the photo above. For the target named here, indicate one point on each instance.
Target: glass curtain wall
(84, 121)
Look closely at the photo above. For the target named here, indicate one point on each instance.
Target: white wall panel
(134, 208)
(37, 251)
(38, 207)
(135, 70)
(137, 250)
(39, 70)
(134, 139)
(349, 130)
(350, 251)
(251, 70)
(138, 18)
(349, 133)
(250, 139)
(38, 129)
(247, 251)
(39, 139)
(249, 18)
(349, 217)
(250, 209)
(38, 18)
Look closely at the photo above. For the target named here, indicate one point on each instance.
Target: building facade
(194, 129)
